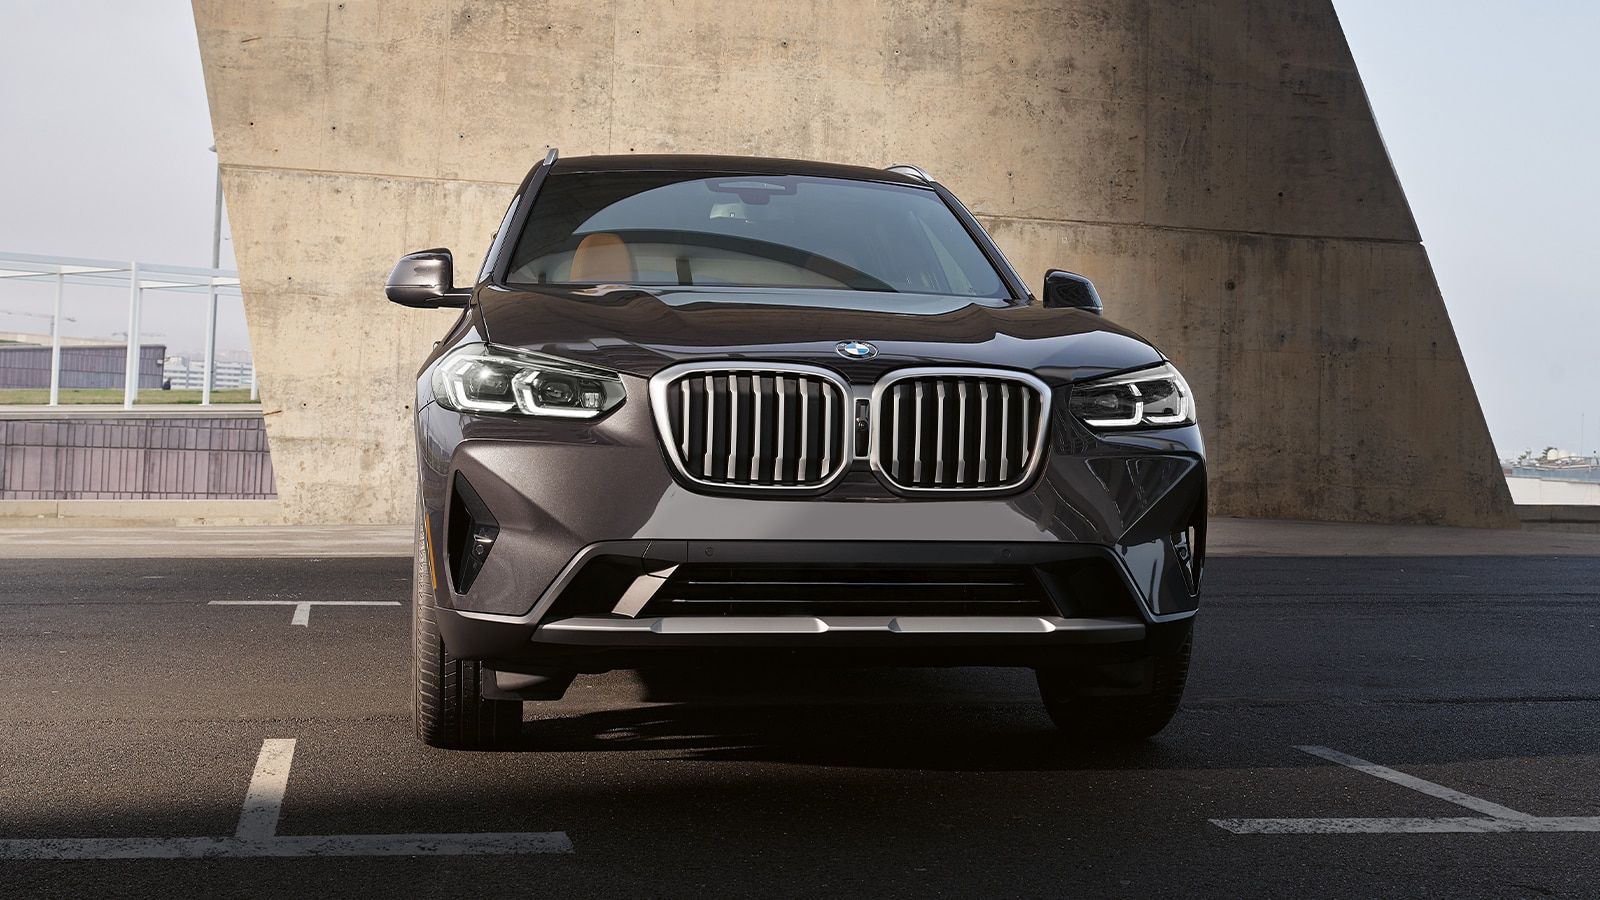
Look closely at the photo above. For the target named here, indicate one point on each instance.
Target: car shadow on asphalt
(899, 719)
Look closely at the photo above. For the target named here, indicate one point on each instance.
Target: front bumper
(585, 512)
(834, 595)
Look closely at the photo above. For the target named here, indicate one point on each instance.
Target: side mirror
(425, 279)
(1069, 290)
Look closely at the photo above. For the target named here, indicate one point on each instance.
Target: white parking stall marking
(263, 801)
(489, 844)
(257, 834)
(1449, 795)
(1496, 819)
(302, 608)
(1456, 825)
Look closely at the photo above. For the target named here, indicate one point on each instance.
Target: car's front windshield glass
(766, 231)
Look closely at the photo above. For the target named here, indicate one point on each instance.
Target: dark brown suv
(732, 412)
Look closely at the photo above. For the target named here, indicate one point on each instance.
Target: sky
(1490, 111)
(105, 156)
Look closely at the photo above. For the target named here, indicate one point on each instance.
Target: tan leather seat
(602, 257)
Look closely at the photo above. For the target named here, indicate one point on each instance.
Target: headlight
(486, 378)
(1153, 398)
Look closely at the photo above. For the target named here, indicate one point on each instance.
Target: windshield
(770, 231)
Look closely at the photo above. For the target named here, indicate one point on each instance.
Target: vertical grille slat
(683, 423)
(777, 463)
(1024, 451)
(827, 428)
(1005, 429)
(756, 426)
(983, 431)
(917, 436)
(710, 419)
(732, 426)
(896, 404)
(963, 429)
(805, 429)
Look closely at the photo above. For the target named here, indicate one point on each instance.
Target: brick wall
(132, 457)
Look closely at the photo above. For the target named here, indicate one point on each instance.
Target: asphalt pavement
(141, 718)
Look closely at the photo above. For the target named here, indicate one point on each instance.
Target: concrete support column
(1213, 165)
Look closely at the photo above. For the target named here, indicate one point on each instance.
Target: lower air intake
(701, 589)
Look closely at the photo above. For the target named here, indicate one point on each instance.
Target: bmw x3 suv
(727, 411)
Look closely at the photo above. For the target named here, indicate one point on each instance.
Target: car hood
(639, 331)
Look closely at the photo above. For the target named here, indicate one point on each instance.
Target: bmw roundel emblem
(855, 350)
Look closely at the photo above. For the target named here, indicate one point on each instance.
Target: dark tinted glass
(677, 228)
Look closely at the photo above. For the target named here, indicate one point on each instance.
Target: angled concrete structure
(1214, 166)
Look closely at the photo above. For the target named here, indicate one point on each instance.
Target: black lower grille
(858, 590)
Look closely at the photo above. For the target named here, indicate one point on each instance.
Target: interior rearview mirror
(1069, 290)
(425, 279)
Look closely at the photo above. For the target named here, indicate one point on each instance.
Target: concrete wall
(1214, 166)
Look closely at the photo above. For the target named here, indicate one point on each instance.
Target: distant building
(1555, 465)
(187, 373)
(84, 364)
(1554, 477)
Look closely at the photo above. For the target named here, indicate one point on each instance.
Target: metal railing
(136, 277)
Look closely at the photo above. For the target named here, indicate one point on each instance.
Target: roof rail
(551, 157)
(913, 171)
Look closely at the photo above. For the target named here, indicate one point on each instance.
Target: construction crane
(34, 315)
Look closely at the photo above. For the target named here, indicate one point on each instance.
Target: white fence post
(55, 343)
(211, 344)
(130, 375)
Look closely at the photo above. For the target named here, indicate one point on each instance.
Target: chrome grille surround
(1009, 411)
(734, 425)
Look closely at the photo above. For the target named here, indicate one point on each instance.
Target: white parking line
(1498, 819)
(264, 798)
(489, 844)
(1449, 795)
(257, 834)
(1459, 825)
(302, 608)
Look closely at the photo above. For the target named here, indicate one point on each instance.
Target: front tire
(449, 708)
(1080, 714)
